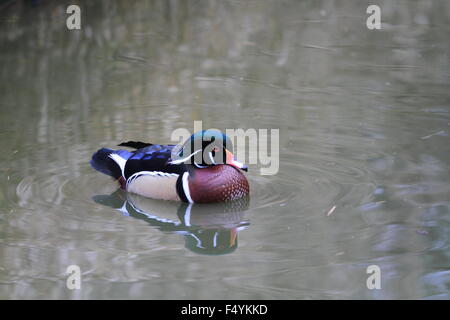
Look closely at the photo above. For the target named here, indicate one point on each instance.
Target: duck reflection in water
(210, 229)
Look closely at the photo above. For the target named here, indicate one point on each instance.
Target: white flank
(150, 173)
(153, 184)
(186, 187)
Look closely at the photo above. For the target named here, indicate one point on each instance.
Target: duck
(203, 169)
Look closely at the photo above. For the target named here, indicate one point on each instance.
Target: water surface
(364, 120)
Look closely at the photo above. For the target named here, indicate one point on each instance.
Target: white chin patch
(238, 164)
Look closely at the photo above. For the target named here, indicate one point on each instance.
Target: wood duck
(201, 170)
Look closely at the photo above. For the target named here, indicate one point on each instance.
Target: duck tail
(110, 162)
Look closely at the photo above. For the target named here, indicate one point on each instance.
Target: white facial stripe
(187, 193)
(212, 158)
(178, 161)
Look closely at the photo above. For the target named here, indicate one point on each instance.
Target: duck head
(205, 149)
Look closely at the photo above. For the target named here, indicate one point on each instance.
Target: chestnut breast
(217, 183)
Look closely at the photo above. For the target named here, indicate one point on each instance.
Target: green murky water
(364, 120)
